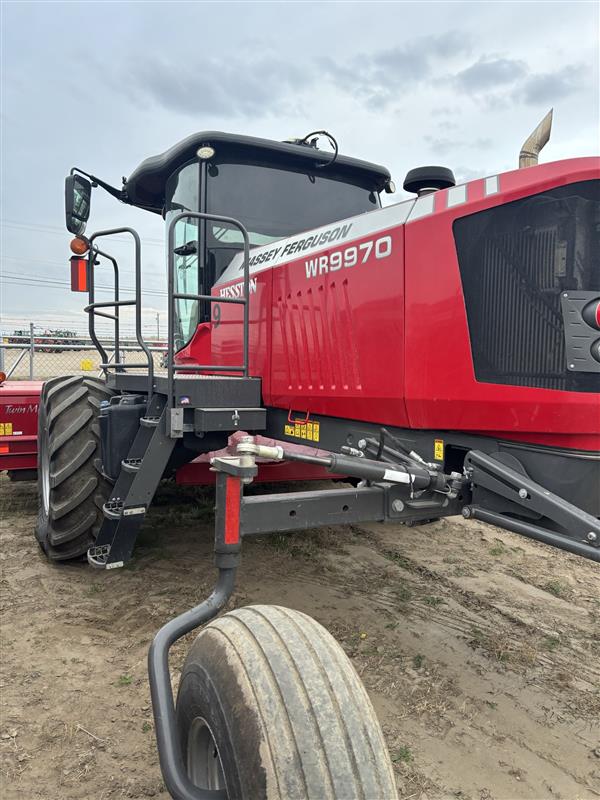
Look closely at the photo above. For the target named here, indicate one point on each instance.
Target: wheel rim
(204, 762)
(45, 471)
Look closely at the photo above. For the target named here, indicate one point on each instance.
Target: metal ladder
(162, 424)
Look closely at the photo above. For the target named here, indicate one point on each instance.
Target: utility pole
(157, 325)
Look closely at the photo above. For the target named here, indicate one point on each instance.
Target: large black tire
(71, 489)
(270, 708)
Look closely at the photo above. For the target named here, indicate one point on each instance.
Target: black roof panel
(146, 184)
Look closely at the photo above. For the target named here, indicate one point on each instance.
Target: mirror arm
(120, 194)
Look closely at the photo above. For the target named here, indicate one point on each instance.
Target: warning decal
(438, 449)
(304, 430)
(6, 429)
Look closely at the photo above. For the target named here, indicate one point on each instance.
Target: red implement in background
(19, 403)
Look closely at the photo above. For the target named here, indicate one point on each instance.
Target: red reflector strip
(78, 274)
(232, 511)
(4, 448)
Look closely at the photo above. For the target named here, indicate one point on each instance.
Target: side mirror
(78, 191)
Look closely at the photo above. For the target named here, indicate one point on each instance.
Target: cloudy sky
(102, 85)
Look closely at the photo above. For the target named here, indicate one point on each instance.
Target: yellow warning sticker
(307, 430)
(6, 428)
(438, 449)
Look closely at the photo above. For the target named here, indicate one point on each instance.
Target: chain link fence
(35, 355)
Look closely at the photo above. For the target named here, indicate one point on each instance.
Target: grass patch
(402, 593)
(432, 600)
(146, 727)
(398, 559)
(462, 572)
(497, 550)
(125, 680)
(556, 588)
(550, 643)
(402, 754)
(502, 648)
(418, 661)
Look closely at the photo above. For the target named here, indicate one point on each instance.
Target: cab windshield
(271, 203)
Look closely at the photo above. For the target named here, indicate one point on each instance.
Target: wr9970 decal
(349, 256)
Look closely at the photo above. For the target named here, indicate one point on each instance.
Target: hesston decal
(237, 289)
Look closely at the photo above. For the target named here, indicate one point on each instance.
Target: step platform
(196, 391)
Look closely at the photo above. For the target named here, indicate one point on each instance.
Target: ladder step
(113, 509)
(131, 465)
(149, 422)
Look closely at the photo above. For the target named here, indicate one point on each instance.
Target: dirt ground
(479, 649)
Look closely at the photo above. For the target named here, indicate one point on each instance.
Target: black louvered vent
(515, 260)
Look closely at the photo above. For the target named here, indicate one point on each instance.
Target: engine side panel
(442, 390)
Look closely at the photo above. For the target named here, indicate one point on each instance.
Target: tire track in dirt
(459, 720)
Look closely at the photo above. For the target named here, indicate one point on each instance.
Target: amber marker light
(79, 245)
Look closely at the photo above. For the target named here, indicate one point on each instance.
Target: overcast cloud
(104, 85)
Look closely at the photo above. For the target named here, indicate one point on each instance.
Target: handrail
(92, 307)
(91, 260)
(116, 314)
(172, 296)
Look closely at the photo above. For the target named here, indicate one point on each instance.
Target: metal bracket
(174, 422)
(582, 341)
(571, 528)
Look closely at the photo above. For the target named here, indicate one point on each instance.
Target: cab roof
(145, 186)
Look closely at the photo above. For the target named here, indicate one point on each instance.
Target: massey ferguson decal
(316, 241)
(349, 257)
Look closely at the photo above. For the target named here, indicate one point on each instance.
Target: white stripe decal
(313, 241)
(457, 195)
(423, 207)
(492, 185)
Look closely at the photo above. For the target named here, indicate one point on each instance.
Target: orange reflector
(2, 377)
(4, 448)
(78, 274)
(79, 245)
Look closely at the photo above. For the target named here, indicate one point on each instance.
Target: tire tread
(68, 410)
(320, 732)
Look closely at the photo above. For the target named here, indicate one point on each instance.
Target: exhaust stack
(530, 151)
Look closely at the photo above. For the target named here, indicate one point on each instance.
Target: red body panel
(387, 340)
(336, 348)
(441, 390)
(19, 404)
